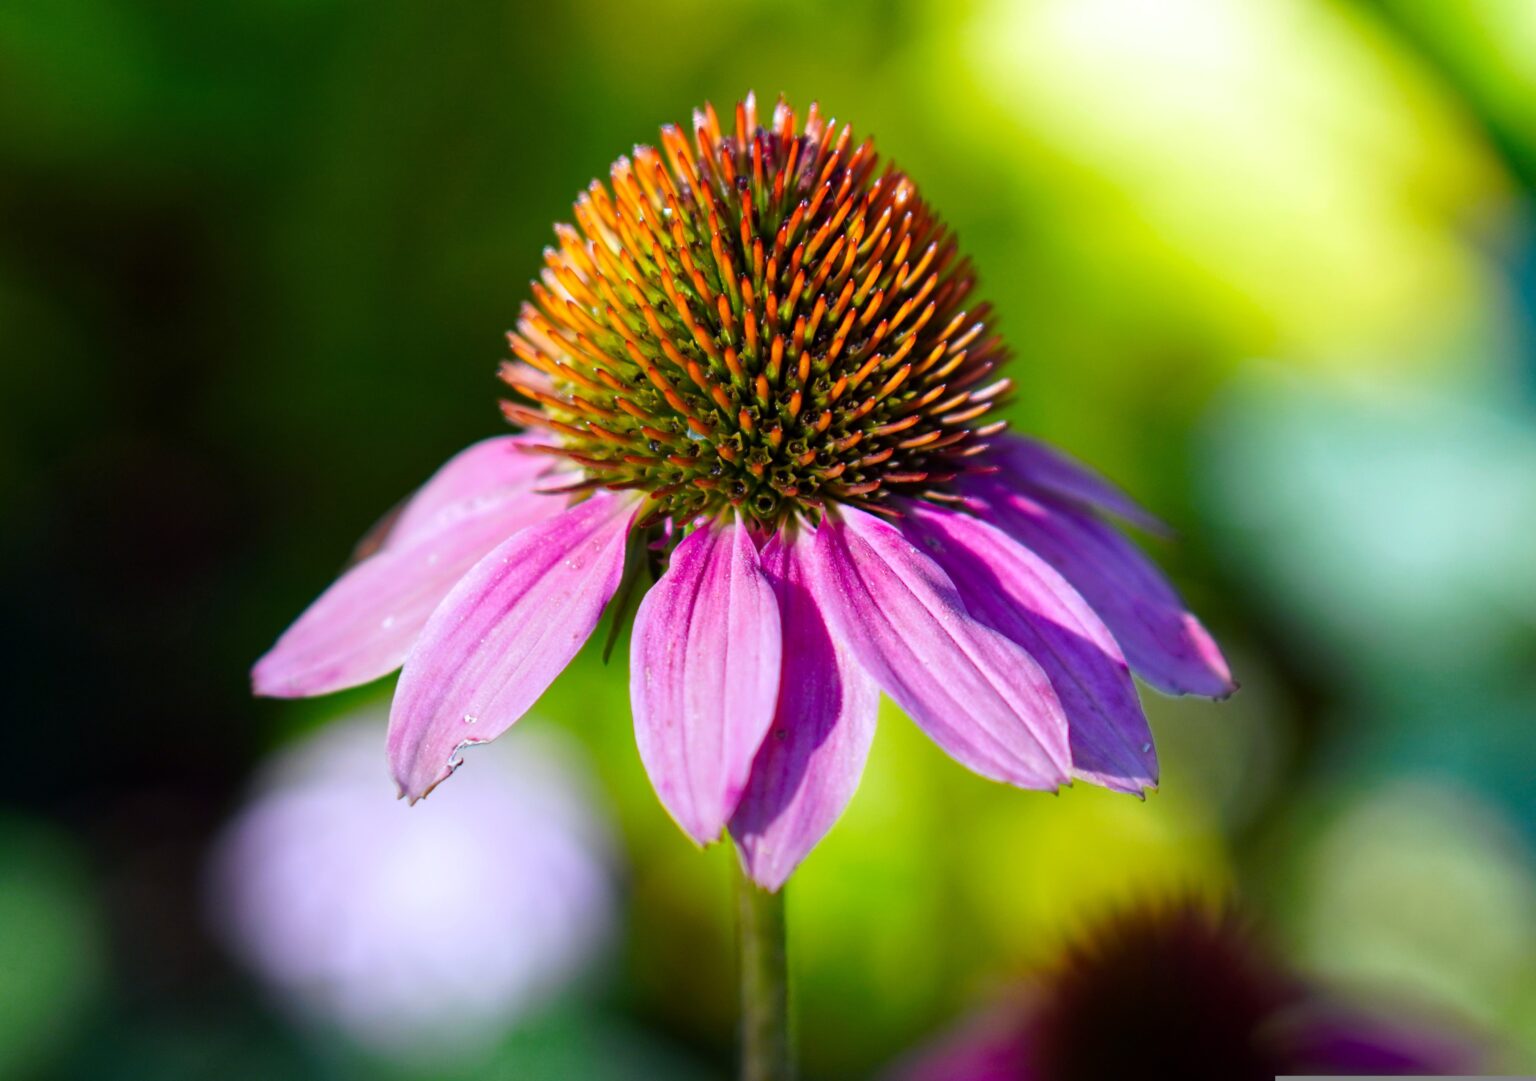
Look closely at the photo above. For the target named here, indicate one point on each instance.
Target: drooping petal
(809, 766)
(704, 675)
(1015, 592)
(976, 693)
(1163, 641)
(478, 475)
(1043, 469)
(503, 634)
(364, 625)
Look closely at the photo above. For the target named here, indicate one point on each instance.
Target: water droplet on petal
(470, 718)
(1145, 747)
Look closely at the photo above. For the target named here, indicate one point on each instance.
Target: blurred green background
(1271, 265)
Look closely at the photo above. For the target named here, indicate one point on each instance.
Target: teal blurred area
(1270, 265)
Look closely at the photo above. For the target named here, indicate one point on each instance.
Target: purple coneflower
(1179, 992)
(753, 371)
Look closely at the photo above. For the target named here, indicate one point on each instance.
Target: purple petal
(994, 1046)
(810, 763)
(1164, 643)
(364, 625)
(1044, 470)
(1326, 1039)
(503, 634)
(477, 476)
(704, 675)
(977, 694)
(1015, 592)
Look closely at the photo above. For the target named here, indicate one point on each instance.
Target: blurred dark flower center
(1187, 997)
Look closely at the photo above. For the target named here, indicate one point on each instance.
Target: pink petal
(977, 694)
(1164, 643)
(704, 675)
(810, 763)
(482, 473)
(1044, 470)
(503, 634)
(1016, 593)
(364, 625)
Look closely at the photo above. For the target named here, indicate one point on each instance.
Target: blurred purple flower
(1180, 993)
(837, 508)
(415, 932)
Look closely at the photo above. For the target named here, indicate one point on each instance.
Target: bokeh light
(419, 932)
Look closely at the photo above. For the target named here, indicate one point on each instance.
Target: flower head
(761, 322)
(1177, 991)
(755, 371)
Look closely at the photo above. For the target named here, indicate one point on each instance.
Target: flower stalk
(765, 1042)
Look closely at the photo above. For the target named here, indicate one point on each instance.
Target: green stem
(765, 1050)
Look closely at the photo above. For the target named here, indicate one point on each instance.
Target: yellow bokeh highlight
(1281, 171)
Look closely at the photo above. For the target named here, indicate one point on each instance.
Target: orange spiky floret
(761, 320)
